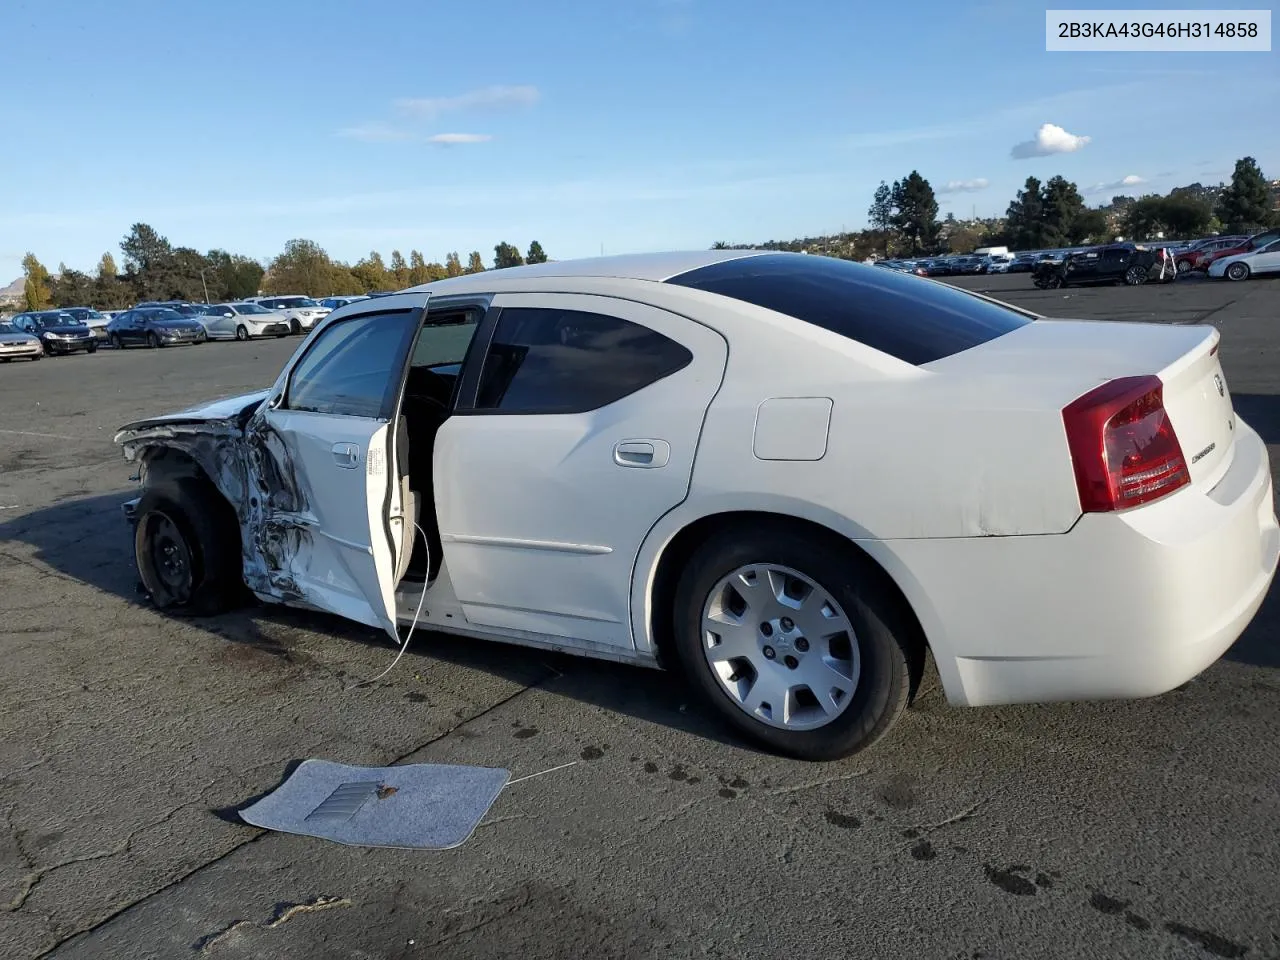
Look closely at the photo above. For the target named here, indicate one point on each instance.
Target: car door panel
(327, 481)
(542, 515)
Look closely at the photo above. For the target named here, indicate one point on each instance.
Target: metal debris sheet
(422, 806)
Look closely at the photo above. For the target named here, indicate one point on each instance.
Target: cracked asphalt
(1141, 829)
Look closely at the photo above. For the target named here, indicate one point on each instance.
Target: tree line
(903, 218)
(154, 269)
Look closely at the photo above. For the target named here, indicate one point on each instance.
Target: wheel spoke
(728, 641)
(830, 681)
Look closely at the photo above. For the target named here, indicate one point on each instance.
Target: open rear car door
(329, 522)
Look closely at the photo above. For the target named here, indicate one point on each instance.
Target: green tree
(1186, 215)
(107, 267)
(418, 272)
(915, 213)
(880, 213)
(1246, 205)
(506, 255)
(963, 240)
(436, 271)
(475, 263)
(1061, 204)
(304, 267)
(71, 288)
(536, 254)
(399, 270)
(372, 273)
(1024, 218)
(234, 276)
(36, 294)
(1090, 224)
(109, 293)
(453, 266)
(1144, 218)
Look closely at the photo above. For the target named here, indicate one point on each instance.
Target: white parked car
(1242, 266)
(301, 313)
(789, 475)
(242, 321)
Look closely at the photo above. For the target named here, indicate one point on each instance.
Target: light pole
(203, 284)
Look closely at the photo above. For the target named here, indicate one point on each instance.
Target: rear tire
(1237, 271)
(187, 549)
(866, 669)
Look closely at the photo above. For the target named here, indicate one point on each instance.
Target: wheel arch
(674, 554)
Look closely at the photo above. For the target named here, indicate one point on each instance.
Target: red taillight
(1123, 447)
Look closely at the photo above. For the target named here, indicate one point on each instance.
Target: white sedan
(242, 321)
(1242, 266)
(787, 475)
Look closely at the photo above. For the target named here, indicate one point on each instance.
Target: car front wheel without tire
(796, 641)
(1238, 271)
(1135, 276)
(186, 546)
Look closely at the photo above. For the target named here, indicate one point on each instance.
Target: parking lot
(1143, 829)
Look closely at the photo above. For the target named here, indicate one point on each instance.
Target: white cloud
(485, 98)
(1124, 183)
(449, 138)
(1049, 139)
(965, 186)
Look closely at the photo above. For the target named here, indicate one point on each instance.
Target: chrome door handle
(347, 455)
(642, 453)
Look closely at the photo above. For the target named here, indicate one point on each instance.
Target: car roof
(655, 267)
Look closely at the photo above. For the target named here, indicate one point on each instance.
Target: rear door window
(914, 319)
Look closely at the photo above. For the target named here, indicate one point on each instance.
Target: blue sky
(627, 125)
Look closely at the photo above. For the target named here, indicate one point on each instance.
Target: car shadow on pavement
(86, 539)
(1261, 411)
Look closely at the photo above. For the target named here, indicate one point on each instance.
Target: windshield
(84, 313)
(8, 328)
(297, 302)
(248, 308)
(165, 316)
(57, 320)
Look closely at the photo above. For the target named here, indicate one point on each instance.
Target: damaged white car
(790, 475)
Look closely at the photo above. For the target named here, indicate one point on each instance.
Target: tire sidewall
(883, 680)
(212, 540)
(1243, 272)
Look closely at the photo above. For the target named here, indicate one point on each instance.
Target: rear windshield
(916, 320)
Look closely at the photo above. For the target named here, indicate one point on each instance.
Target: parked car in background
(59, 333)
(1196, 256)
(1022, 263)
(17, 344)
(1128, 263)
(999, 262)
(1256, 242)
(301, 313)
(183, 307)
(1242, 266)
(154, 327)
(242, 321)
(333, 303)
(91, 318)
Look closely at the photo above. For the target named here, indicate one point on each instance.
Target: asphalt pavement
(1134, 829)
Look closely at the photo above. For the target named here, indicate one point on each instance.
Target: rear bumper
(1124, 605)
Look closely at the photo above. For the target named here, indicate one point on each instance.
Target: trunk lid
(1049, 363)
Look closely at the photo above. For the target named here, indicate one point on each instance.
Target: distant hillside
(14, 290)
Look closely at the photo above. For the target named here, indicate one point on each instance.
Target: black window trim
(391, 392)
(488, 329)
